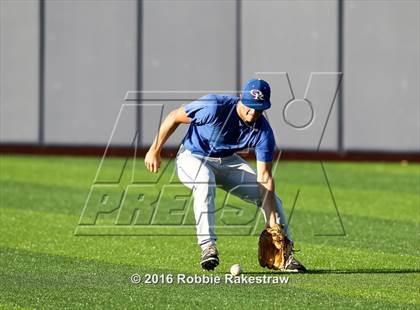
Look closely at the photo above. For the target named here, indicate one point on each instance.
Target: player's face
(252, 115)
(248, 114)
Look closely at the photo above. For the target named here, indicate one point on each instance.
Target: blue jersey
(216, 130)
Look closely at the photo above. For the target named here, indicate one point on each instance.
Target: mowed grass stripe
(25, 233)
(374, 204)
(364, 201)
(363, 232)
(66, 170)
(49, 198)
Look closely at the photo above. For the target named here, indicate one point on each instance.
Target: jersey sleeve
(264, 150)
(203, 110)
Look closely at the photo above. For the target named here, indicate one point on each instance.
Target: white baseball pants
(202, 175)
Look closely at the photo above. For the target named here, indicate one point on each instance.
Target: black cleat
(293, 265)
(210, 258)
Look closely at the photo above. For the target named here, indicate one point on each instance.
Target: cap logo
(257, 94)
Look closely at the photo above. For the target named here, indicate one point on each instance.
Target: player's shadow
(343, 271)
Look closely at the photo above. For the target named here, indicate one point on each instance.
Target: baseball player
(220, 126)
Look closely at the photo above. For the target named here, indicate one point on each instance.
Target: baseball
(236, 270)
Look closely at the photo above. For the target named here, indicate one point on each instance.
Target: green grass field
(376, 265)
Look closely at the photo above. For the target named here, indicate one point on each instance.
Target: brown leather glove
(274, 247)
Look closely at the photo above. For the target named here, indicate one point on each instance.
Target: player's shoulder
(264, 125)
(265, 134)
(220, 102)
(264, 129)
(222, 98)
(226, 97)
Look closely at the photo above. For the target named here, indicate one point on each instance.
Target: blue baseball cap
(256, 94)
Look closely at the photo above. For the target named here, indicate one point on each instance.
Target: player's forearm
(167, 128)
(268, 198)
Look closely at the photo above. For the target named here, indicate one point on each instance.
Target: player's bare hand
(152, 160)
